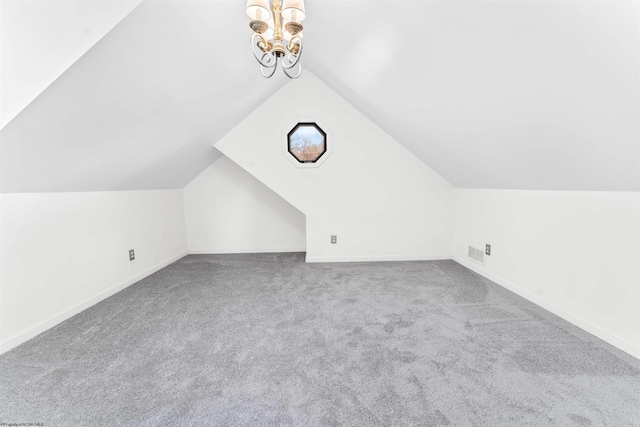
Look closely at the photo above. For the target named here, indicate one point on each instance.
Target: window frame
(290, 125)
(307, 124)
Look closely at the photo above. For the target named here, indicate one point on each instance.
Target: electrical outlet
(487, 249)
(334, 239)
(132, 255)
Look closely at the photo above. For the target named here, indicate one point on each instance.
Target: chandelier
(277, 35)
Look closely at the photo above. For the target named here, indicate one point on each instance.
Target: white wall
(229, 211)
(577, 254)
(63, 252)
(381, 201)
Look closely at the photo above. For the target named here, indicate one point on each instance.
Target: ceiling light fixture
(273, 28)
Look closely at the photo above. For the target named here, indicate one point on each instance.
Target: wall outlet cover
(132, 255)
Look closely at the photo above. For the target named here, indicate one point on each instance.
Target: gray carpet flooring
(270, 340)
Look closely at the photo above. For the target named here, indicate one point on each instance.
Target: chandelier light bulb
(258, 10)
(293, 10)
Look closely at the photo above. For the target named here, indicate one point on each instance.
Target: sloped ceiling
(495, 94)
(525, 95)
(142, 108)
(41, 39)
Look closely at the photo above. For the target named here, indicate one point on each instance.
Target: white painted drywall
(229, 211)
(538, 95)
(141, 108)
(464, 87)
(577, 254)
(41, 39)
(380, 200)
(63, 252)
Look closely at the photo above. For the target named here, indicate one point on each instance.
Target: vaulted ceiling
(41, 39)
(526, 95)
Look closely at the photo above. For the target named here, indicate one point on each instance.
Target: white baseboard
(243, 251)
(604, 335)
(25, 335)
(369, 258)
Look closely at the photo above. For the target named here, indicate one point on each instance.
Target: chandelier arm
(273, 69)
(290, 64)
(298, 55)
(253, 45)
(294, 76)
(271, 62)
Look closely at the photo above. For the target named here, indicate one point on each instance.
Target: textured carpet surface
(269, 340)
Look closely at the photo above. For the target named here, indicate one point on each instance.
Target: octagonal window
(307, 142)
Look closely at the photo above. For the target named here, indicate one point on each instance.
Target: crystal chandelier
(277, 35)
